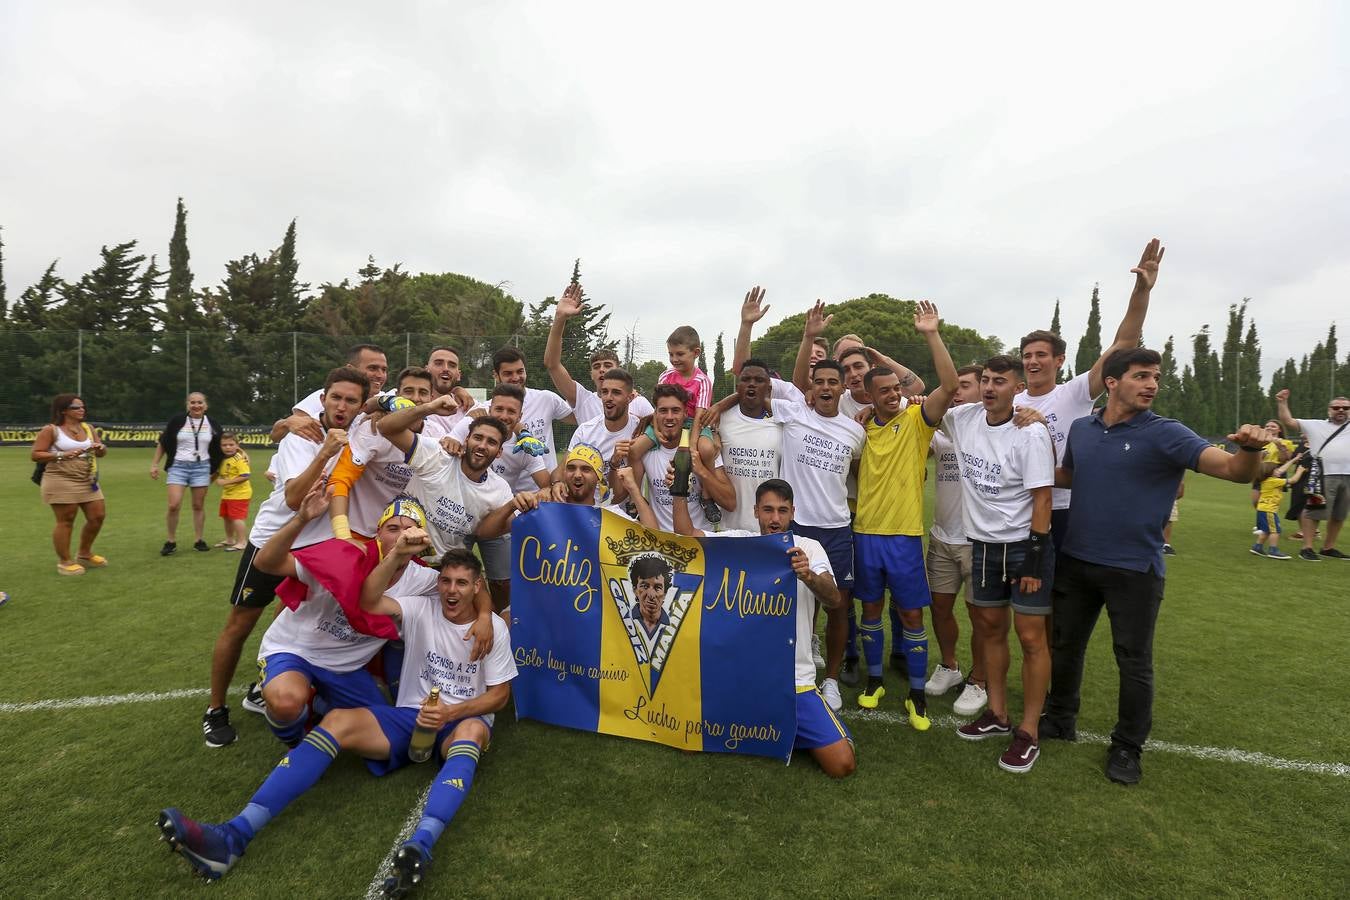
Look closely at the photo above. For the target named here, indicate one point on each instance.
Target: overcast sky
(992, 157)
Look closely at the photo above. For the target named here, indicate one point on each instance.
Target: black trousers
(1132, 600)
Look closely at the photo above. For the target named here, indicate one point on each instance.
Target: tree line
(134, 335)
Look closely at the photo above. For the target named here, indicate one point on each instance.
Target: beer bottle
(423, 738)
(684, 466)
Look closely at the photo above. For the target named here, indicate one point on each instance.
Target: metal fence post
(187, 363)
(79, 362)
(295, 371)
(407, 349)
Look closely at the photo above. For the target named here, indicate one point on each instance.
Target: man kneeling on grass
(433, 630)
(819, 731)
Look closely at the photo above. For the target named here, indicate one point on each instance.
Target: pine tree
(1090, 347)
(1054, 329)
(586, 332)
(33, 310)
(105, 297)
(180, 307)
(145, 310)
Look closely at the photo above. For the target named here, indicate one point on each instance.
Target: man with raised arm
(819, 447)
(888, 527)
(611, 432)
(370, 471)
(1124, 464)
(299, 463)
(587, 404)
(751, 443)
(433, 617)
(819, 731)
(1043, 356)
(457, 494)
(1329, 440)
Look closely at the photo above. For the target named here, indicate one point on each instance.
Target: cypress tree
(719, 368)
(290, 299)
(180, 308)
(4, 298)
(1054, 328)
(1090, 347)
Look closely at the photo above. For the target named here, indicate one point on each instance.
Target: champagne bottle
(424, 739)
(684, 466)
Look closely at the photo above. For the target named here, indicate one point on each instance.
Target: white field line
(110, 700)
(1222, 754)
(375, 889)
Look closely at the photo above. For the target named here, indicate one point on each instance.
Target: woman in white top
(68, 449)
(191, 441)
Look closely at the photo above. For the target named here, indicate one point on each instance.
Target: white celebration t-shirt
(1061, 406)
(435, 654)
(1000, 464)
(750, 450)
(454, 505)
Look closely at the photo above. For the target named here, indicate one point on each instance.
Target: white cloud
(993, 157)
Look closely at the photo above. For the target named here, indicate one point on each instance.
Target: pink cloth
(698, 386)
(341, 568)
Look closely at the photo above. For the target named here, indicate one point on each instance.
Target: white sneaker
(971, 701)
(829, 689)
(815, 652)
(943, 680)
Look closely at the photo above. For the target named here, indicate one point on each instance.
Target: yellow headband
(406, 507)
(591, 457)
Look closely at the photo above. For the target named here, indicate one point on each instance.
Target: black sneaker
(1169, 550)
(201, 547)
(1333, 553)
(1309, 555)
(1053, 730)
(1122, 766)
(168, 549)
(849, 674)
(253, 700)
(410, 869)
(217, 728)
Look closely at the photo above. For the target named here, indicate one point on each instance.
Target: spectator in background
(1330, 444)
(191, 441)
(1168, 549)
(69, 449)
(235, 492)
(1269, 490)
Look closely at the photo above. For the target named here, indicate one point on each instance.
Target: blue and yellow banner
(650, 635)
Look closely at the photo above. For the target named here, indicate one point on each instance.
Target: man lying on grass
(433, 629)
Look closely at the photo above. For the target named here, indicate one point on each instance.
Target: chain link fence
(253, 379)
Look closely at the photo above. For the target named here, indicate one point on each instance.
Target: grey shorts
(496, 554)
(1336, 488)
(947, 565)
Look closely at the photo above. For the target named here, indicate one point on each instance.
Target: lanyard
(196, 431)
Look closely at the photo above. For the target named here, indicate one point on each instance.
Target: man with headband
(321, 641)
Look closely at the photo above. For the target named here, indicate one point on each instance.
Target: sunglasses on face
(74, 407)
(1340, 408)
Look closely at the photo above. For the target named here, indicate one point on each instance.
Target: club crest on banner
(649, 585)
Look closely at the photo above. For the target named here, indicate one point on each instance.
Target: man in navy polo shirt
(1124, 463)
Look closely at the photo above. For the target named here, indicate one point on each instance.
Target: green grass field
(1249, 657)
